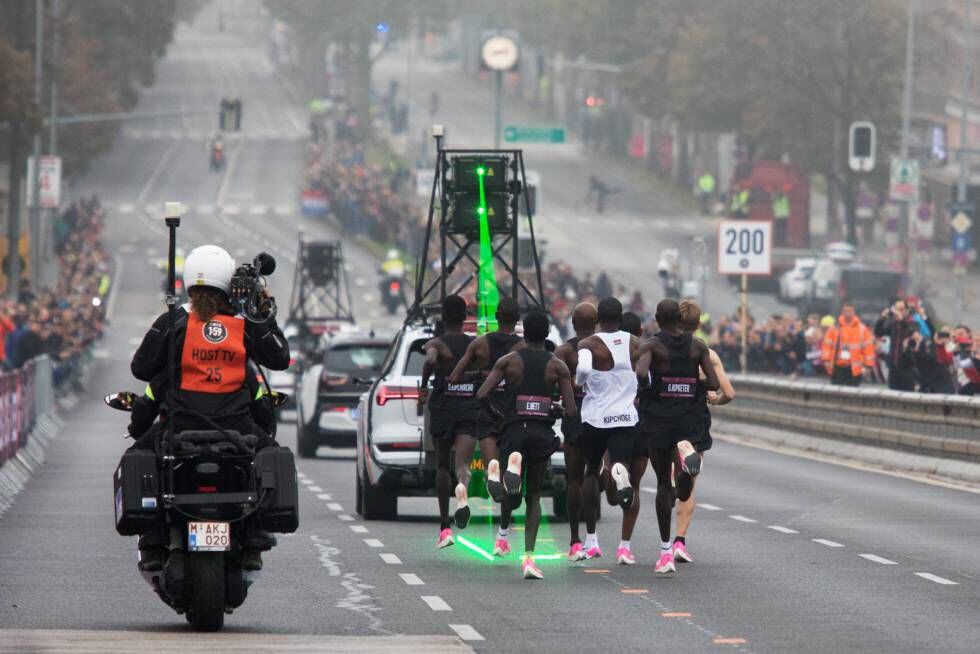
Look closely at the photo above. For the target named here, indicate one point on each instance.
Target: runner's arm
(462, 370)
(727, 390)
(565, 386)
(493, 379)
(710, 376)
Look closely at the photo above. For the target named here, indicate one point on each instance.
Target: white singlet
(609, 394)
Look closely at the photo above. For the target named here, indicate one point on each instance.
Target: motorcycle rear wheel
(207, 606)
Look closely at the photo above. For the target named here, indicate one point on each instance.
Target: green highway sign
(534, 134)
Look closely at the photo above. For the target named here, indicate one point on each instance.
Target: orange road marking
(729, 641)
(595, 571)
(634, 591)
(676, 614)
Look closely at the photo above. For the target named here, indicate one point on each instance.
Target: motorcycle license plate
(208, 536)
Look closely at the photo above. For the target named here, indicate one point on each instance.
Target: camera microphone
(265, 263)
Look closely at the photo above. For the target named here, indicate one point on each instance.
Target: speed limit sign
(745, 247)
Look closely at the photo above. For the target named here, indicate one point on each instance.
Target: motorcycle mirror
(121, 401)
(279, 399)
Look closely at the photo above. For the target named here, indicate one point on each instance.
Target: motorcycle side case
(136, 489)
(275, 472)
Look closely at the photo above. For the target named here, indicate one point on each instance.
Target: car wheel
(306, 444)
(358, 495)
(377, 503)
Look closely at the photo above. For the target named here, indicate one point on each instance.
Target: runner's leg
(574, 476)
(638, 467)
(532, 519)
(465, 447)
(661, 460)
(444, 448)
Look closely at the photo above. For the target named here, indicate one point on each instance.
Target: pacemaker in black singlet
(571, 428)
(528, 422)
(499, 345)
(453, 407)
(672, 409)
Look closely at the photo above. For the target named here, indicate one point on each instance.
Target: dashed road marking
(257, 210)
(205, 209)
(373, 542)
(411, 579)
(676, 614)
(634, 591)
(466, 632)
(324, 496)
(596, 571)
(783, 530)
(304, 480)
(937, 579)
(728, 641)
(741, 518)
(343, 517)
(314, 489)
(390, 559)
(436, 603)
(828, 543)
(231, 210)
(878, 559)
(709, 507)
(359, 529)
(126, 208)
(333, 506)
(282, 210)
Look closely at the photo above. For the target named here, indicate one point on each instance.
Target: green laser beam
(465, 542)
(488, 295)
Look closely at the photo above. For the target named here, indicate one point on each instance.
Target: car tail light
(207, 489)
(292, 361)
(403, 445)
(337, 409)
(333, 379)
(395, 286)
(386, 393)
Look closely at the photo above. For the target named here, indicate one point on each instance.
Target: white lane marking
(126, 208)
(333, 506)
(936, 579)
(390, 559)
(323, 496)
(161, 166)
(205, 209)
(648, 489)
(828, 543)
(300, 475)
(229, 171)
(282, 210)
(741, 518)
(373, 542)
(314, 489)
(360, 281)
(436, 603)
(231, 210)
(100, 354)
(878, 559)
(705, 505)
(258, 210)
(783, 530)
(135, 341)
(411, 579)
(345, 518)
(359, 529)
(466, 632)
(306, 481)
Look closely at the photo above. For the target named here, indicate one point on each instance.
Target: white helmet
(392, 254)
(208, 265)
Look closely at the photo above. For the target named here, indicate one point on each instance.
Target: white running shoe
(624, 492)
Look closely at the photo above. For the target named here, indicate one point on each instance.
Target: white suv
(393, 458)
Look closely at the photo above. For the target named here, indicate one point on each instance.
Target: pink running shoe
(445, 538)
(624, 556)
(593, 553)
(665, 564)
(530, 569)
(501, 547)
(576, 553)
(680, 553)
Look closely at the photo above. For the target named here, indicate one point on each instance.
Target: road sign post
(745, 248)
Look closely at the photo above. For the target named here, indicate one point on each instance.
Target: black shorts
(451, 417)
(535, 440)
(620, 441)
(704, 444)
(666, 434)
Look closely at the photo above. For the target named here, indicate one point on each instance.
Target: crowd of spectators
(62, 321)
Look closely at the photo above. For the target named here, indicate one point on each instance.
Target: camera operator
(896, 323)
(213, 343)
(932, 361)
(966, 361)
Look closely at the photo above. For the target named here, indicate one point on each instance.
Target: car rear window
(877, 284)
(352, 359)
(416, 357)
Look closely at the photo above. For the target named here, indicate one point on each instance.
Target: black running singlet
(530, 400)
(675, 393)
(443, 389)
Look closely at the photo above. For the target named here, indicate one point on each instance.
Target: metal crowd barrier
(945, 425)
(25, 394)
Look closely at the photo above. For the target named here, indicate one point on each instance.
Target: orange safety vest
(848, 344)
(213, 358)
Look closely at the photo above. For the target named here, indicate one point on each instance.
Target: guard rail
(943, 425)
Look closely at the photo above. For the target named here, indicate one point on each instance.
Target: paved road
(792, 554)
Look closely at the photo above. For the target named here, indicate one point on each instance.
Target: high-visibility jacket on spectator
(848, 343)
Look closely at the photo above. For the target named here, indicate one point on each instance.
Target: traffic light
(861, 146)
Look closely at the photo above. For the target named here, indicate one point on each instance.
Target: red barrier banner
(17, 409)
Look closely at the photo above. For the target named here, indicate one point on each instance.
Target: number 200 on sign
(745, 247)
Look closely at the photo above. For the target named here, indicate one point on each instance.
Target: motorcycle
(204, 486)
(217, 157)
(392, 294)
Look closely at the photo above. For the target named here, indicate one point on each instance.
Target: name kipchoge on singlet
(610, 394)
(443, 388)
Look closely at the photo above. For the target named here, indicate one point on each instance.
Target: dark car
(329, 391)
(870, 289)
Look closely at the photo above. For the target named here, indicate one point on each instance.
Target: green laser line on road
(488, 296)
